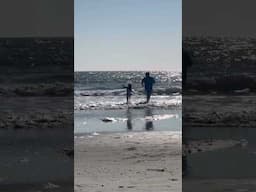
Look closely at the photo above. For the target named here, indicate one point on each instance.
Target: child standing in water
(128, 92)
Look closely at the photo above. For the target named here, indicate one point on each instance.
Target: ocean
(100, 102)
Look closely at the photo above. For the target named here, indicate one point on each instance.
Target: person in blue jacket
(148, 83)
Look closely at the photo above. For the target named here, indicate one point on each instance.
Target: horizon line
(126, 71)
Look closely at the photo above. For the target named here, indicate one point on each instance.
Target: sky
(219, 17)
(125, 35)
(37, 18)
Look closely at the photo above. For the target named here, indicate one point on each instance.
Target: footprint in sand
(131, 148)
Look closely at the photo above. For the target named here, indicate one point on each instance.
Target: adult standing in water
(148, 83)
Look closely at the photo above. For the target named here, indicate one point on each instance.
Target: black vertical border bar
(37, 95)
(218, 101)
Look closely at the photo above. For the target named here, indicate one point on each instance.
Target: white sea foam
(100, 101)
(104, 90)
(147, 118)
(110, 102)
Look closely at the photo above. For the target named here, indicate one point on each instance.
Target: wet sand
(220, 165)
(35, 134)
(220, 185)
(34, 160)
(36, 114)
(142, 161)
(220, 134)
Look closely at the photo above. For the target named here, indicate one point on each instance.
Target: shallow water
(232, 118)
(235, 162)
(100, 102)
(127, 120)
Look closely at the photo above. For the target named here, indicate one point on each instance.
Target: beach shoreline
(36, 160)
(132, 161)
(212, 185)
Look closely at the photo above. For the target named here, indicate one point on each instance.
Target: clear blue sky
(128, 35)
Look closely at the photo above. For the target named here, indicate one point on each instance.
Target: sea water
(100, 102)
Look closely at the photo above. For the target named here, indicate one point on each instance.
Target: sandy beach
(120, 147)
(137, 161)
(35, 160)
(36, 142)
(219, 131)
(213, 185)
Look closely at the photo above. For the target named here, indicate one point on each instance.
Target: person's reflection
(148, 119)
(129, 119)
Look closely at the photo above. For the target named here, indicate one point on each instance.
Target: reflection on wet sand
(148, 116)
(148, 119)
(129, 119)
